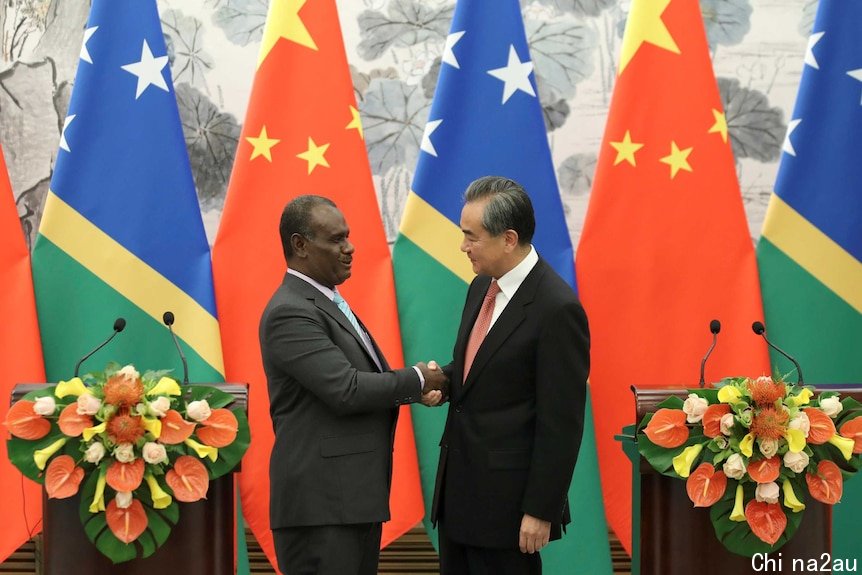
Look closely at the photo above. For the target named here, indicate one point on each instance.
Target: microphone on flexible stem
(168, 318)
(119, 325)
(714, 327)
(758, 328)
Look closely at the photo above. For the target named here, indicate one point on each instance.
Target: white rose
(160, 406)
(726, 423)
(199, 410)
(124, 453)
(768, 447)
(154, 452)
(767, 492)
(801, 423)
(88, 404)
(830, 406)
(129, 372)
(796, 462)
(735, 467)
(124, 499)
(45, 405)
(694, 408)
(94, 453)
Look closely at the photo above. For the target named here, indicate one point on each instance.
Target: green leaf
(20, 452)
(215, 397)
(661, 458)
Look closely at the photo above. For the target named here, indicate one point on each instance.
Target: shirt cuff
(421, 378)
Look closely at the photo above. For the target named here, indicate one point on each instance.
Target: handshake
(436, 383)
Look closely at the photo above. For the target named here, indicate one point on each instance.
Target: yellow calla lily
(41, 456)
(738, 513)
(795, 440)
(165, 386)
(729, 394)
(790, 500)
(89, 432)
(202, 450)
(844, 445)
(802, 398)
(74, 387)
(682, 462)
(154, 426)
(160, 498)
(746, 446)
(98, 503)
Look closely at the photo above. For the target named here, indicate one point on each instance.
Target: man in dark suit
(333, 402)
(517, 395)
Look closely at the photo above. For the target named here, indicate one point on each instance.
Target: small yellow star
(314, 155)
(355, 123)
(283, 21)
(263, 145)
(677, 160)
(626, 149)
(720, 126)
(644, 24)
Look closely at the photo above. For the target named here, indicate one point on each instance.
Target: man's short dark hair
(296, 219)
(509, 207)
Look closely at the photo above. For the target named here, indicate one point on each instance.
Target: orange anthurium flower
(125, 476)
(826, 485)
(765, 470)
(175, 429)
(72, 423)
(853, 430)
(23, 422)
(62, 477)
(766, 520)
(219, 429)
(126, 524)
(667, 428)
(188, 479)
(705, 485)
(712, 419)
(822, 428)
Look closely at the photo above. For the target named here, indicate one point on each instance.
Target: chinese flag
(21, 361)
(302, 134)
(665, 246)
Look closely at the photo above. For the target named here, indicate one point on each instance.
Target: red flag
(302, 135)
(21, 358)
(665, 246)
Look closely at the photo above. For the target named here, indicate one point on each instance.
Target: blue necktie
(345, 309)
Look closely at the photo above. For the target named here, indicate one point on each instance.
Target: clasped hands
(436, 383)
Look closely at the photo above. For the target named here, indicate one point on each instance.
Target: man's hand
(435, 379)
(432, 398)
(534, 534)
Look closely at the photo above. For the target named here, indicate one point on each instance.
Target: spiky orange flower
(769, 423)
(125, 428)
(764, 391)
(121, 389)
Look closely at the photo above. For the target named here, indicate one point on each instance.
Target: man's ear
(510, 237)
(300, 245)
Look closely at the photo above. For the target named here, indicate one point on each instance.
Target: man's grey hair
(509, 207)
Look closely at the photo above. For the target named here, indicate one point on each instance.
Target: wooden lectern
(201, 543)
(671, 537)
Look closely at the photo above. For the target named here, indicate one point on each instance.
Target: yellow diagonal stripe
(435, 234)
(814, 251)
(130, 276)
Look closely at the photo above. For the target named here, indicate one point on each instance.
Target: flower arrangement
(137, 443)
(753, 450)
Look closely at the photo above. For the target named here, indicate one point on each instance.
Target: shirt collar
(512, 280)
(328, 292)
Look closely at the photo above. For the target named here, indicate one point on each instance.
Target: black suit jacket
(332, 411)
(514, 427)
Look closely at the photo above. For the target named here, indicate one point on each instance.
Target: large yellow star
(355, 123)
(263, 145)
(644, 24)
(283, 21)
(720, 126)
(677, 160)
(626, 149)
(314, 155)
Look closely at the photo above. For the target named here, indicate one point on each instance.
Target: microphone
(119, 325)
(168, 318)
(758, 328)
(714, 327)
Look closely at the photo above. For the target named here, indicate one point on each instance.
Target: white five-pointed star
(810, 58)
(426, 145)
(856, 75)
(787, 146)
(448, 54)
(148, 70)
(515, 76)
(85, 53)
(63, 143)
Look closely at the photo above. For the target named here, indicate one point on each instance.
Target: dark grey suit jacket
(332, 411)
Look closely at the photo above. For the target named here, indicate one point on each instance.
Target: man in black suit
(517, 395)
(333, 402)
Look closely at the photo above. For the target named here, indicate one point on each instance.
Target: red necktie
(480, 328)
